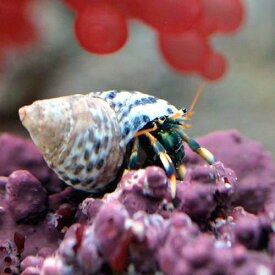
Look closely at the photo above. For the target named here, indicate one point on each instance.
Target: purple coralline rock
(145, 189)
(241, 227)
(206, 191)
(247, 158)
(220, 222)
(110, 233)
(27, 222)
(24, 218)
(21, 154)
(149, 232)
(25, 197)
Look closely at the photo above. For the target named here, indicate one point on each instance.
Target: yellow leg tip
(125, 171)
(173, 186)
(207, 155)
(181, 171)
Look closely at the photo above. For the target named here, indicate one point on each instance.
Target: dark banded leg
(134, 154)
(195, 146)
(203, 152)
(165, 160)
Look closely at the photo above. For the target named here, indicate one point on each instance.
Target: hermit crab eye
(184, 110)
(162, 119)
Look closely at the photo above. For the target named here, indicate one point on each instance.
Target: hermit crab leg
(134, 154)
(144, 131)
(203, 152)
(195, 146)
(165, 160)
(181, 169)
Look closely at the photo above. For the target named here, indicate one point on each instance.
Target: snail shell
(83, 138)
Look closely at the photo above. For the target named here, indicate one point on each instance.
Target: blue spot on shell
(145, 100)
(130, 106)
(136, 122)
(152, 99)
(170, 111)
(112, 95)
(126, 129)
(145, 118)
(124, 114)
(137, 102)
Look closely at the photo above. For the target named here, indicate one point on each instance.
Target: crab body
(86, 139)
(170, 140)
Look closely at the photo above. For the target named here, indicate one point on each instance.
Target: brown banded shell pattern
(79, 138)
(83, 138)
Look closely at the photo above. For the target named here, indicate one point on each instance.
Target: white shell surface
(134, 110)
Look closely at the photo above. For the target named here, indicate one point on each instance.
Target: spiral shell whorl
(82, 143)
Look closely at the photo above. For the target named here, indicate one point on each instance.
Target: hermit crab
(88, 140)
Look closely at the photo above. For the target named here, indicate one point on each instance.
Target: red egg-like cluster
(184, 27)
(16, 28)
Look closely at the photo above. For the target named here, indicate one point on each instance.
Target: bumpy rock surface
(221, 221)
(252, 165)
(17, 154)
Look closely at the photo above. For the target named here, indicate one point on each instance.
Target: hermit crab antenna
(195, 100)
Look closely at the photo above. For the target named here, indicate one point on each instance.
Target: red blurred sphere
(214, 66)
(76, 4)
(123, 6)
(15, 27)
(101, 29)
(206, 25)
(170, 16)
(184, 52)
(227, 13)
(184, 28)
(11, 15)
